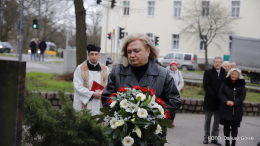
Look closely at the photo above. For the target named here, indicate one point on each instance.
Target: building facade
(159, 18)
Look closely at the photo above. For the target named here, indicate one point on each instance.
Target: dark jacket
(156, 77)
(33, 47)
(235, 92)
(42, 46)
(212, 83)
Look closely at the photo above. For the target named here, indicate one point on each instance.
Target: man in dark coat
(42, 47)
(212, 80)
(33, 48)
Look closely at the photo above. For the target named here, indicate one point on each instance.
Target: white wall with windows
(158, 18)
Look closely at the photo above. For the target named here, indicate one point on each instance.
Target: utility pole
(38, 27)
(107, 26)
(1, 20)
(21, 32)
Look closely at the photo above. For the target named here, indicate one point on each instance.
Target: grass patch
(192, 92)
(253, 84)
(6, 54)
(193, 71)
(36, 81)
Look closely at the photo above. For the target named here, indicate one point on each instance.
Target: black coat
(33, 47)
(156, 77)
(42, 46)
(212, 83)
(226, 93)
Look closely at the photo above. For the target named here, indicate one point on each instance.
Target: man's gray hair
(225, 63)
(217, 57)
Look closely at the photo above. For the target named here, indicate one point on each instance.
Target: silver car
(185, 61)
(5, 47)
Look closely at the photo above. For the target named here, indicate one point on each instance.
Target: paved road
(188, 131)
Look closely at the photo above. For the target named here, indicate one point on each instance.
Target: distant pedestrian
(233, 64)
(232, 94)
(226, 65)
(42, 47)
(33, 48)
(212, 80)
(178, 80)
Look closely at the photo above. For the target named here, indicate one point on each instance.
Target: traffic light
(113, 3)
(121, 33)
(99, 1)
(109, 35)
(156, 40)
(35, 24)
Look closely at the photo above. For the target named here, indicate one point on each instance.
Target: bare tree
(206, 21)
(94, 28)
(80, 31)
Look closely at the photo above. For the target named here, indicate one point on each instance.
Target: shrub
(201, 90)
(47, 126)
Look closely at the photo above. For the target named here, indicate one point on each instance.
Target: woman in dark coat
(232, 94)
(33, 48)
(139, 68)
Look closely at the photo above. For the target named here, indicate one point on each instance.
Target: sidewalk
(189, 131)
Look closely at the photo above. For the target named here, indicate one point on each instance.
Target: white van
(185, 61)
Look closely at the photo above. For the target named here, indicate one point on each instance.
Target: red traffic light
(109, 36)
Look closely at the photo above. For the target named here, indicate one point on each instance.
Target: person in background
(226, 65)
(84, 75)
(42, 47)
(212, 80)
(178, 80)
(232, 94)
(233, 64)
(33, 48)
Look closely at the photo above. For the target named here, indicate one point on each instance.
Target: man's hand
(230, 103)
(97, 94)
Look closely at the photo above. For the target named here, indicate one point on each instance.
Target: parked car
(109, 61)
(5, 47)
(185, 61)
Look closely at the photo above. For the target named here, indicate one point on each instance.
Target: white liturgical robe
(83, 94)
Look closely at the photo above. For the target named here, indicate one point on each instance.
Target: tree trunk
(206, 57)
(80, 31)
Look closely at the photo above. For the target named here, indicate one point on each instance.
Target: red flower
(143, 89)
(110, 101)
(136, 87)
(160, 101)
(122, 89)
(113, 94)
(167, 114)
(152, 92)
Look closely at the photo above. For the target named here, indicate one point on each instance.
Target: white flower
(158, 129)
(113, 123)
(124, 104)
(120, 123)
(113, 104)
(153, 104)
(142, 113)
(160, 109)
(143, 97)
(132, 107)
(138, 132)
(128, 141)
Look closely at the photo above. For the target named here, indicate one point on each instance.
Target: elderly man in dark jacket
(212, 80)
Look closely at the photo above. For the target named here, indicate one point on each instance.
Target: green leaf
(148, 101)
(109, 131)
(141, 142)
(100, 120)
(113, 98)
(147, 94)
(105, 110)
(165, 123)
(125, 129)
(145, 133)
(138, 98)
(133, 101)
(124, 113)
(115, 134)
(98, 116)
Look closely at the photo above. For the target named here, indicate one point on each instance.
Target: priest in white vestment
(84, 75)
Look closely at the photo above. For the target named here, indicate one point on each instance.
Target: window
(205, 9)
(235, 8)
(230, 43)
(177, 8)
(150, 35)
(169, 56)
(175, 41)
(202, 46)
(151, 5)
(126, 7)
(187, 57)
(178, 56)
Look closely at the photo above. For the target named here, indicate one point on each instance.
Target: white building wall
(164, 25)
